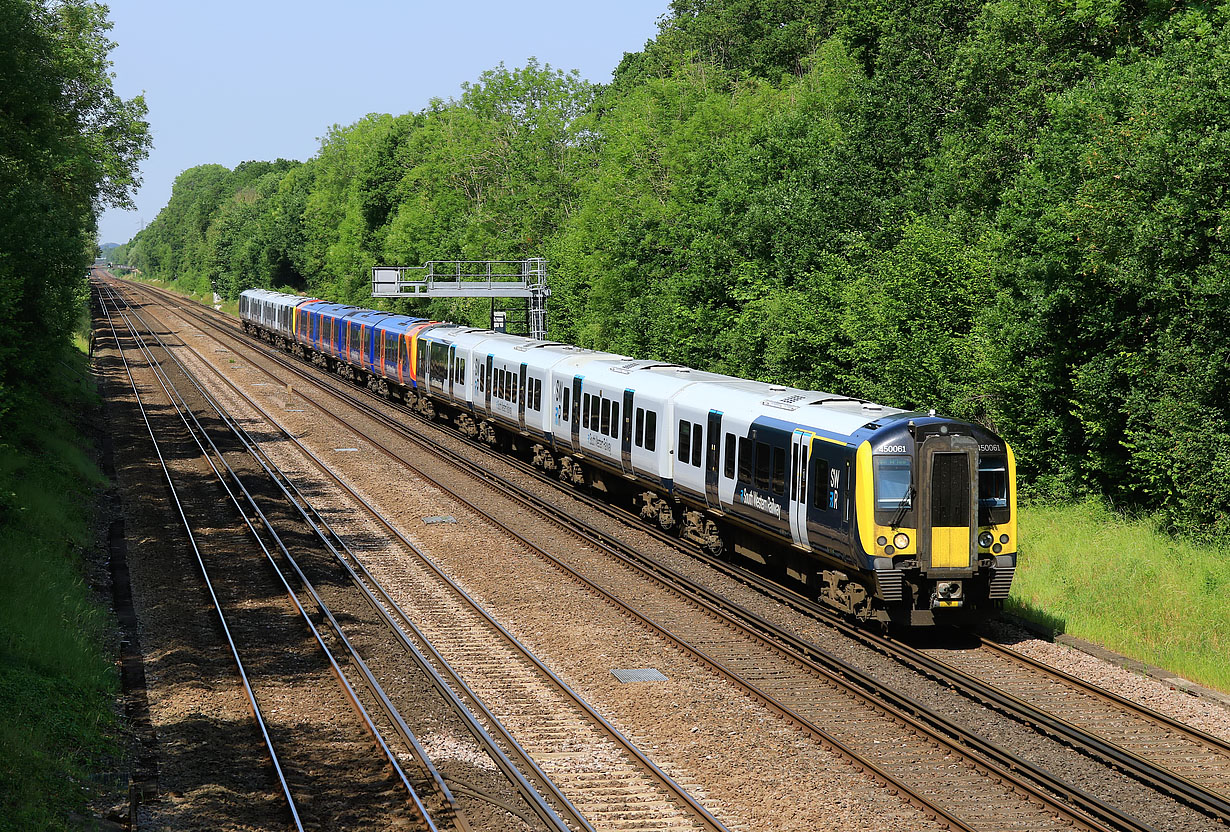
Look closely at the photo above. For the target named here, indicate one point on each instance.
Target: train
(886, 515)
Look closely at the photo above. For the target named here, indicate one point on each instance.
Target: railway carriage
(881, 513)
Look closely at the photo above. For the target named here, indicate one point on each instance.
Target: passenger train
(886, 515)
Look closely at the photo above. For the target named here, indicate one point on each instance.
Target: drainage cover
(638, 674)
(440, 518)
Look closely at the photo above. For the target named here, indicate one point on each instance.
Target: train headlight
(901, 540)
(985, 540)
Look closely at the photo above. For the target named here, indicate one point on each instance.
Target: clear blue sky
(229, 81)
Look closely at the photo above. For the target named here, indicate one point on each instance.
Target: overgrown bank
(1126, 585)
(57, 678)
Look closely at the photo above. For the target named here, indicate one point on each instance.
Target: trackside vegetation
(57, 680)
(1127, 585)
(68, 147)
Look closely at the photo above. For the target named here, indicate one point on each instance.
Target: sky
(229, 81)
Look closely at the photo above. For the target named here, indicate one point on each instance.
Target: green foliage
(68, 146)
(1008, 210)
(1124, 583)
(57, 681)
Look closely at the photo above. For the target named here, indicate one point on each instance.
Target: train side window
(614, 420)
(762, 466)
(651, 430)
(684, 448)
(779, 470)
(516, 387)
(729, 470)
(794, 466)
(585, 410)
(640, 427)
(697, 438)
(605, 428)
(821, 497)
(595, 408)
(567, 410)
(745, 459)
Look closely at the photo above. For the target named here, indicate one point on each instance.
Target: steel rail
(349, 691)
(257, 714)
(337, 547)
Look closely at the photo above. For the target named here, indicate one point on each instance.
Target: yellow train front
(936, 508)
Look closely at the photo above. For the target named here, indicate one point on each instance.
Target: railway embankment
(58, 639)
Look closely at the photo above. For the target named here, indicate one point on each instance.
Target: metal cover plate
(439, 518)
(638, 674)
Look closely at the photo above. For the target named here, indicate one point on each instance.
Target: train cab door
(948, 502)
(800, 456)
(714, 437)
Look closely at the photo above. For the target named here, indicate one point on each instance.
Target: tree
(68, 147)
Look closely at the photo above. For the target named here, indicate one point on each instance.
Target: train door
(625, 435)
(714, 437)
(490, 376)
(576, 411)
(800, 453)
(521, 391)
(451, 373)
(948, 499)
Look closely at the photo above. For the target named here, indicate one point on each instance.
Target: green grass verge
(57, 680)
(1121, 583)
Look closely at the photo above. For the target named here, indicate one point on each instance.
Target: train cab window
(729, 470)
(697, 439)
(651, 430)
(640, 427)
(762, 466)
(614, 420)
(605, 428)
(894, 492)
(992, 490)
(684, 448)
(779, 470)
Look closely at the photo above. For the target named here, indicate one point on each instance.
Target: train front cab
(937, 517)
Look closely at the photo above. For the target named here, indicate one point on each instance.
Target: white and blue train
(884, 514)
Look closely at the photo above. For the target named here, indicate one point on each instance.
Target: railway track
(595, 777)
(377, 791)
(813, 696)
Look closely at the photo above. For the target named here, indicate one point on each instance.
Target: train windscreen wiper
(906, 501)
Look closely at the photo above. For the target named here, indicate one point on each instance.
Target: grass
(1120, 582)
(57, 680)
